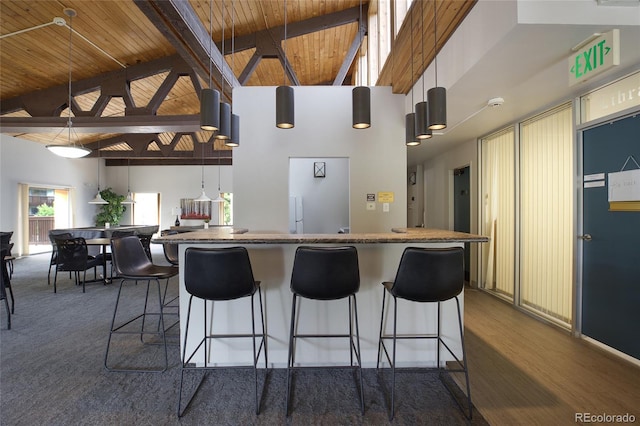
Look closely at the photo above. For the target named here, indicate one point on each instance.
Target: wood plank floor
(525, 372)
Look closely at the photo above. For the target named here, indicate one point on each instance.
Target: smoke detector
(59, 21)
(495, 102)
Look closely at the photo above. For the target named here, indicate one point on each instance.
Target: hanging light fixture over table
(361, 95)
(410, 119)
(224, 131)
(70, 150)
(98, 198)
(284, 94)
(437, 96)
(129, 199)
(203, 196)
(210, 98)
(234, 140)
(422, 110)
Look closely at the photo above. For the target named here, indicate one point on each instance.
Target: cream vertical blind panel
(546, 206)
(22, 236)
(498, 212)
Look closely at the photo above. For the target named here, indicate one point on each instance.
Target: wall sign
(595, 57)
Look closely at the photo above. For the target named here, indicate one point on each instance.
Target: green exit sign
(595, 57)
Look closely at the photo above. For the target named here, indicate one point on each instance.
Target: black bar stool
(215, 275)
(325, 273)
(130, 263)
(426, 275)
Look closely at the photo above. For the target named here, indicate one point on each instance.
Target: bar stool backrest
(72, 254)
(128, 257)
(325, 273)
(218, 273)
(170, 249)
(429, 275)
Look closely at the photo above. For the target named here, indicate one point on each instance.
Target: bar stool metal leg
(118, 330)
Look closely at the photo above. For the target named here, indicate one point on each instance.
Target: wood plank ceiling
(137, 65)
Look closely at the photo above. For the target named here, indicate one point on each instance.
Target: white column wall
(377, 156)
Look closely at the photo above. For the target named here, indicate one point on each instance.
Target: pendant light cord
(422, 46)
(411, 56)
(435, 41)
(222, 56)
(70, 65)
(284, 47)
(210, 40)
(360, 34)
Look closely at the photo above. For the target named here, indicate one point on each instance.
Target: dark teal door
(462, 210)
(611, 241)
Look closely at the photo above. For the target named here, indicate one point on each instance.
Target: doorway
(462, 210)
(611, 259)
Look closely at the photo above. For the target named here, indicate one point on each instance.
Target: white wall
(173, 183)
(23, 161)
(325, 201)
(322, 129)
(438, 184)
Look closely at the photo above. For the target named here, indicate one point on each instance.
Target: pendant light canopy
(285, 108)
(210, 98)
(70, 150)
(410, 126)
(437, 96)
(361, 95)
(234, 140)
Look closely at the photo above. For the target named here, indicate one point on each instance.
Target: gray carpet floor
(52, 373)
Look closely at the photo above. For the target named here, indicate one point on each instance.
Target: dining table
(103, 243)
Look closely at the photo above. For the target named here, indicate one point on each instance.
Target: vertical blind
(546, 213)
(498, 212)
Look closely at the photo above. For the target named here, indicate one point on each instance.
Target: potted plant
(206, 223)
(112, 212)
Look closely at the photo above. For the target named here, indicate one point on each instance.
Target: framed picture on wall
(319, 169)
(192, 209)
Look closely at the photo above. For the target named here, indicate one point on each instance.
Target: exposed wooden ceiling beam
(179, 23)
(127, 124)
(295, 29)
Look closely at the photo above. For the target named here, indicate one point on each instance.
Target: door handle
(585, 237)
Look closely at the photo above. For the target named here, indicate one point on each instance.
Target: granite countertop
(241, 235)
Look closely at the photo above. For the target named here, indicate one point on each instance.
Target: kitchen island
(272, 255)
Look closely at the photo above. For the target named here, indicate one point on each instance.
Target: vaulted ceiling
(137, 66)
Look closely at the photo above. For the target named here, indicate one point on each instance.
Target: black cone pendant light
(410, 133)
(224, 130)
(234, 140)
(285, 107)
(422, 109)
(361, 95)
(209, 109)
(437, 96)
(210, 98)
(410, 119)
(361, 104)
